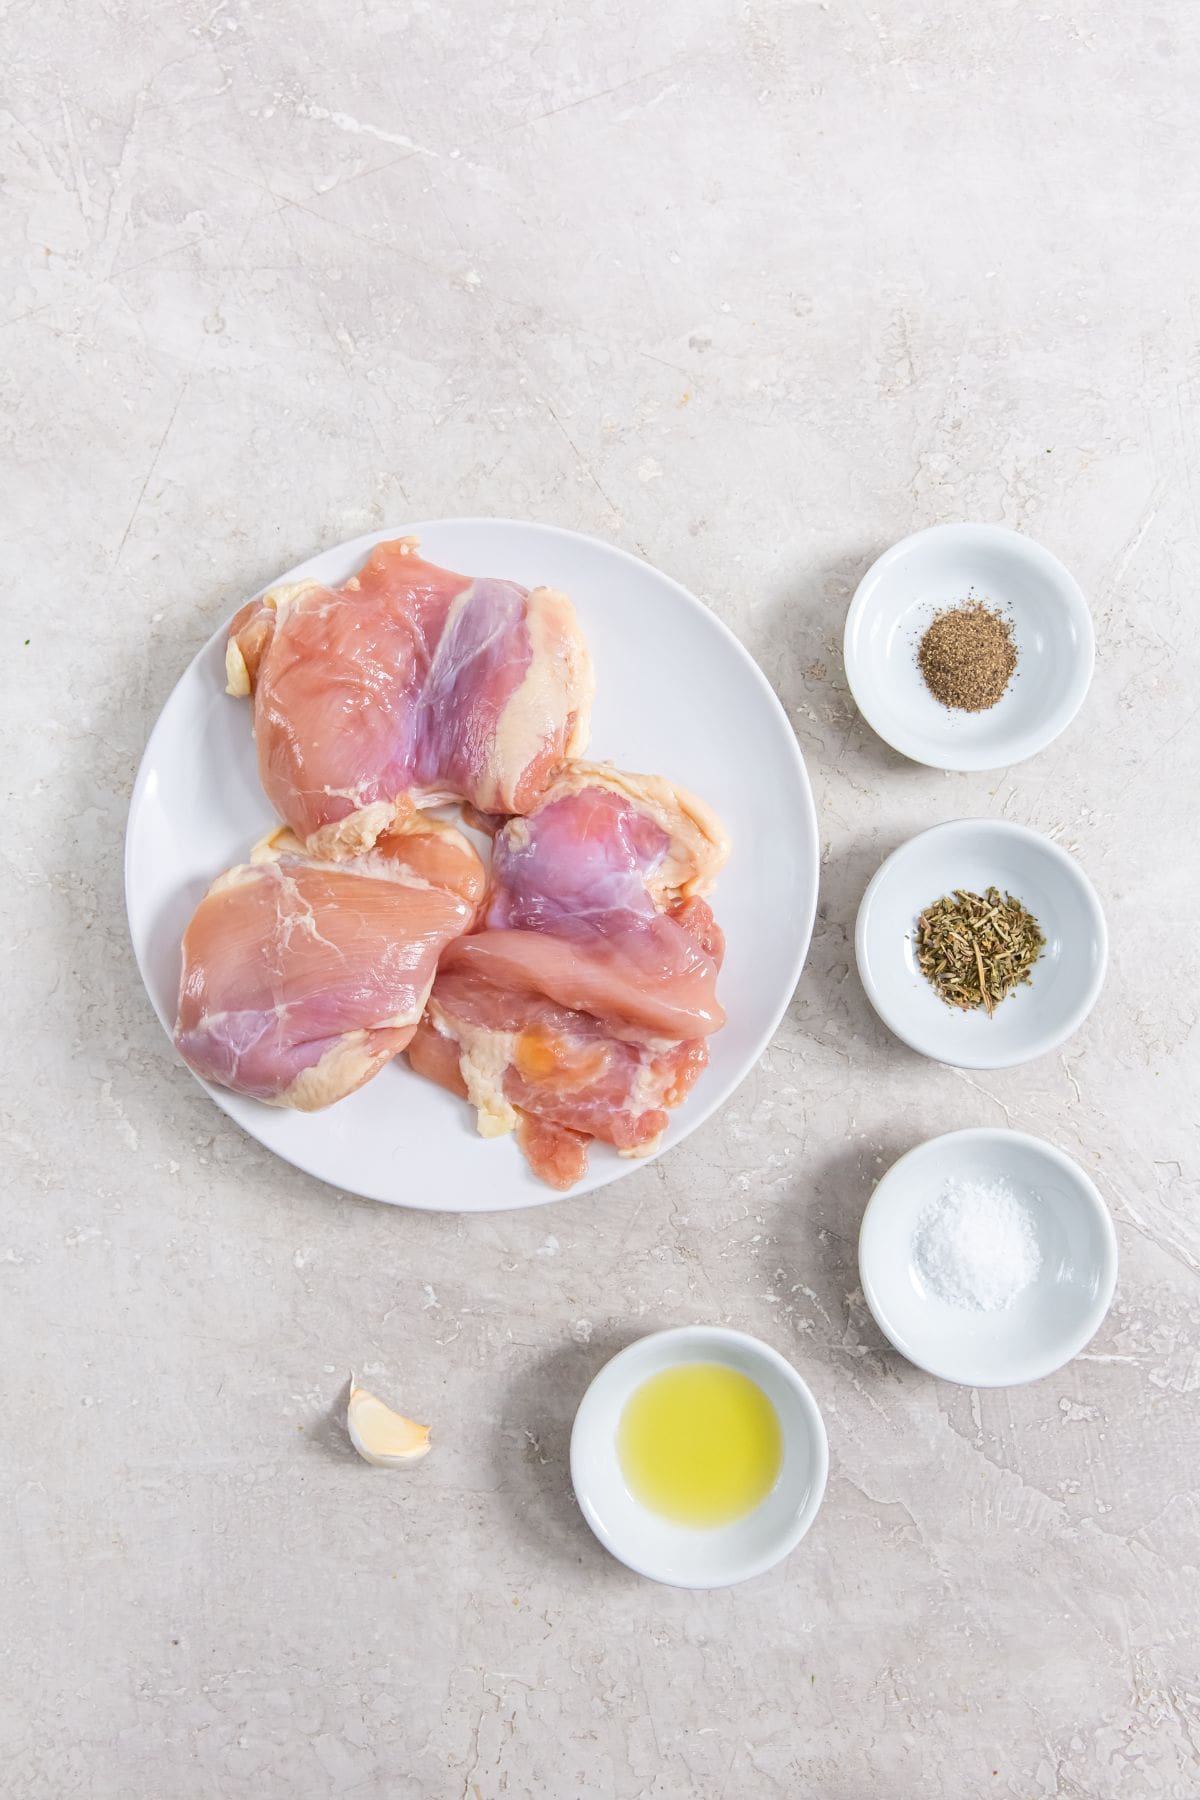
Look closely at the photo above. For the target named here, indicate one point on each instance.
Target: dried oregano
(976, 948)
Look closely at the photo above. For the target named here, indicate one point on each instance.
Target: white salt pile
(976, 1246)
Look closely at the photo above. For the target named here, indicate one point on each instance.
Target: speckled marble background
(753, 289)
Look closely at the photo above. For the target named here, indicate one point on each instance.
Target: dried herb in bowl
(976, 948)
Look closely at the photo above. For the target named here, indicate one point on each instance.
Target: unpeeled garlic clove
(381, 1436)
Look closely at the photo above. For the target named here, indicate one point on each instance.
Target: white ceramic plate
(1047, 1324)
(681, 1555)
(676, 695)
(939, 568)
(973, 854)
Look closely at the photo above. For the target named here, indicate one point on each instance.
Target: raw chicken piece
(302, 977)
(605, 842)
(582, 1007)
(406, 686)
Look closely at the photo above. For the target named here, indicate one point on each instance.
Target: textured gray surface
(754, 290)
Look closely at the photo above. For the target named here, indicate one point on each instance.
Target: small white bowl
(1047, 1324)
(681, 1555)
(974, 854)
(939, 568)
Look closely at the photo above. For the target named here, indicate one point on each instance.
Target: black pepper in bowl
(967, 656)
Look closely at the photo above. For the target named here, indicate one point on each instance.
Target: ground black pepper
(968, 656)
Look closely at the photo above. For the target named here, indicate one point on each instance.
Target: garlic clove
(381, 1436)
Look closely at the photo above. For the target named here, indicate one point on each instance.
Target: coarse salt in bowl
(976, 1244)
(1022, 1300)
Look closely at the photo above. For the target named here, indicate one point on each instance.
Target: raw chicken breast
(581, 1008)
(302, 977)
(406, 686)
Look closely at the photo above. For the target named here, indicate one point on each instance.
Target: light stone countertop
(752, 289)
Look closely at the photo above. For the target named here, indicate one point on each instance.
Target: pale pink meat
(302, 977)
(582, 1006)
(407, 685)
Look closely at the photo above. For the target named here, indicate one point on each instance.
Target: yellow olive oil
(700, 1444)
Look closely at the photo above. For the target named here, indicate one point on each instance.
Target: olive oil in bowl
(700, 1444)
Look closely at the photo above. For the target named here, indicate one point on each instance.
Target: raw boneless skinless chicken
(407, 685)
(582, 1006)
(302, 977)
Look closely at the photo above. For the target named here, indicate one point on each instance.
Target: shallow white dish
(677, 695)
(973, 854)
(935, 569)
(1048, 1323)
(680, 1555)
